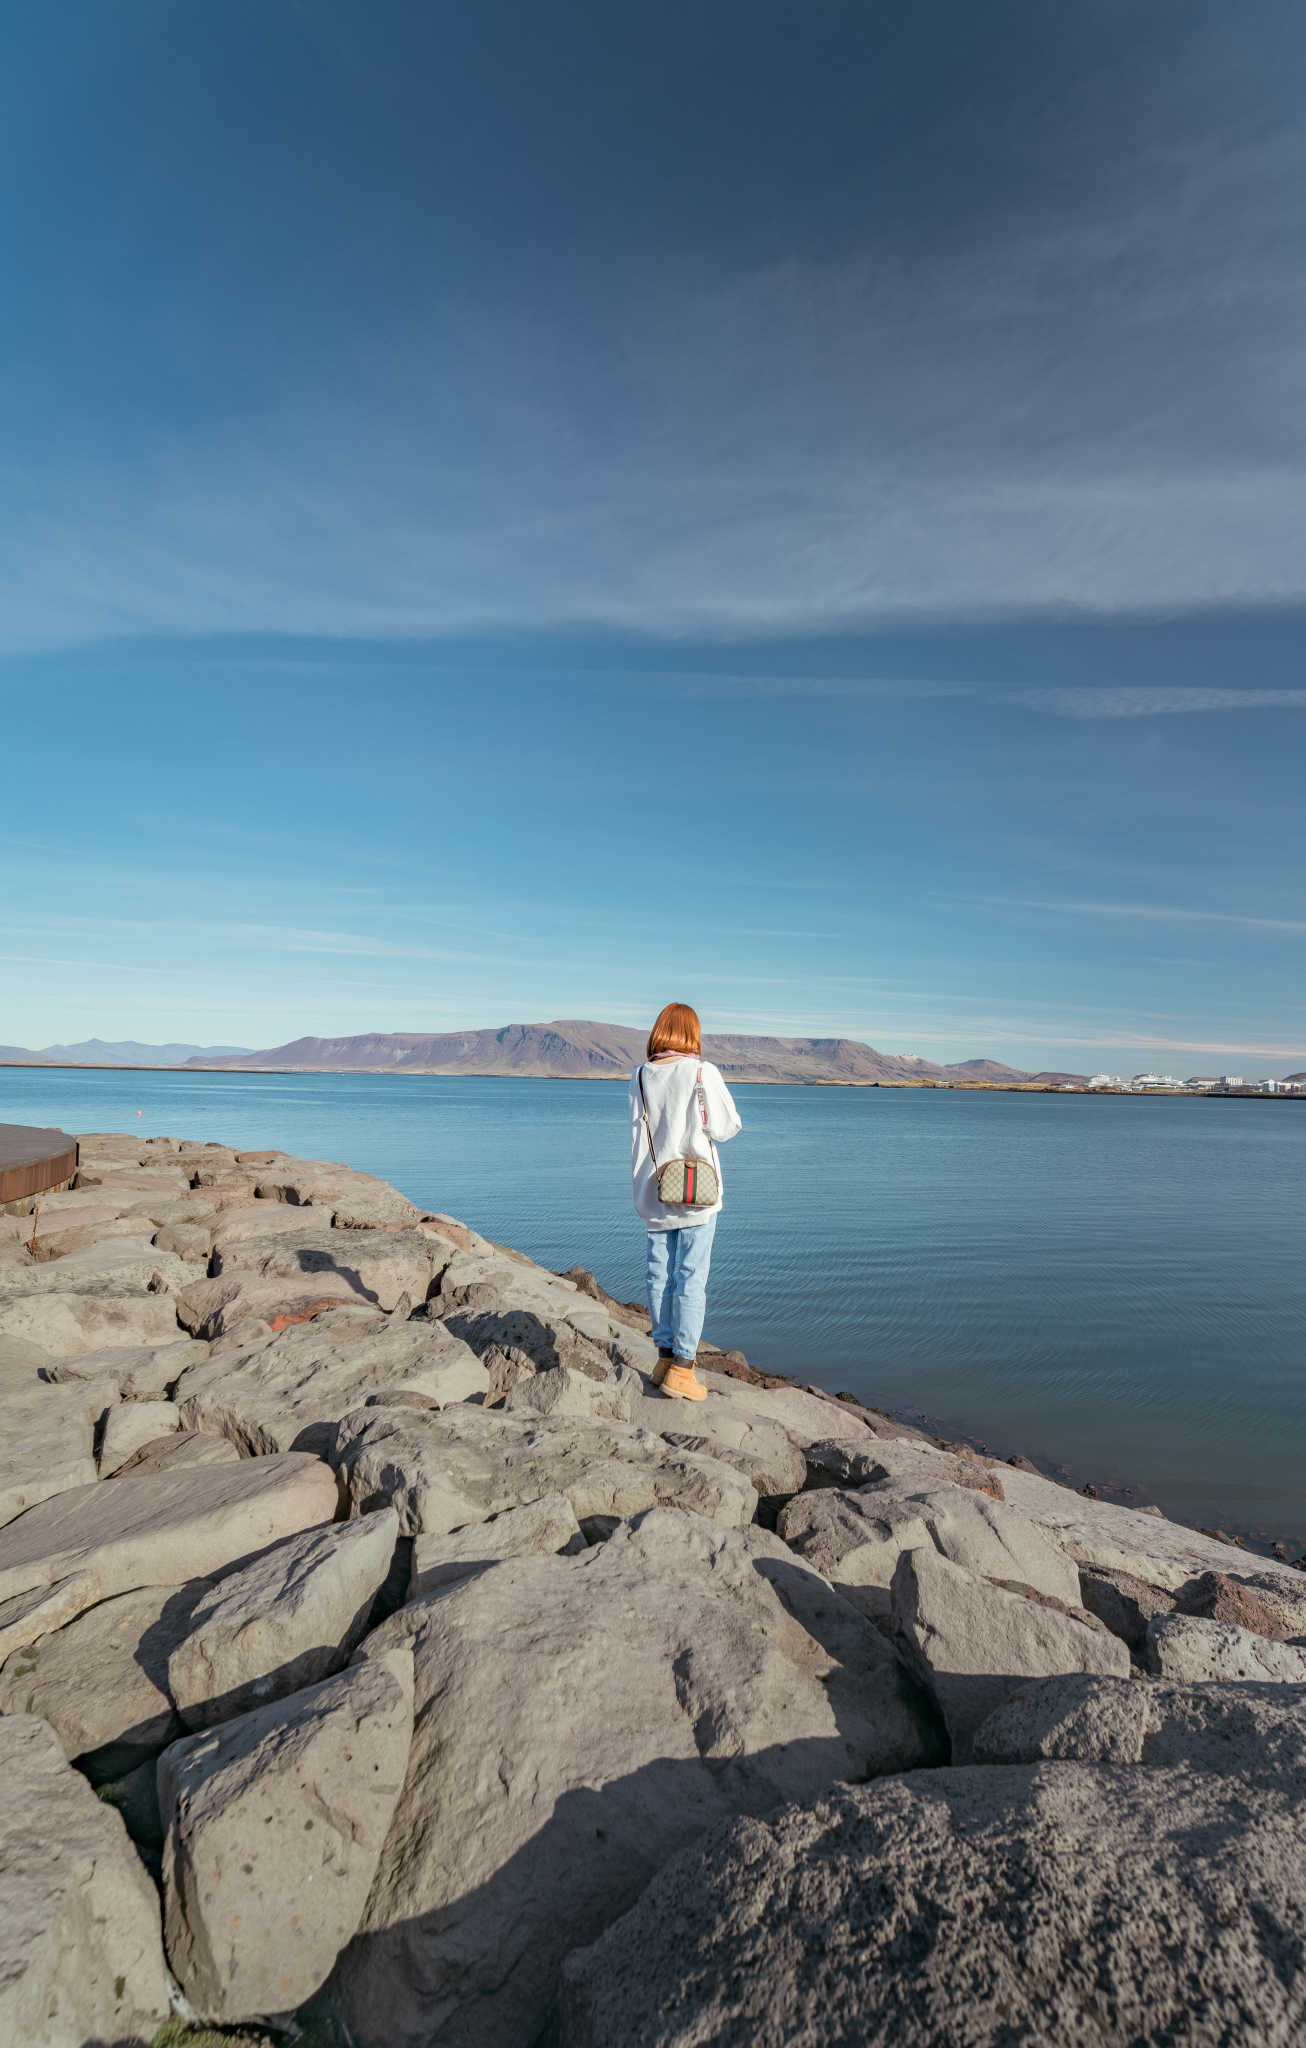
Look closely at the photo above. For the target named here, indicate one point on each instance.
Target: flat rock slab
(154, 1529)
(143, 1372)
(283, 1623)
(23, 1366)
(1186, 1648)
(465, 1464)
(289, 1392)
(89, 1319)
(123, 1261)
(546, 1528)
(181, 1450)
(855, 1539)
(578, 1720)
(1097, 1533)
(28, 1616)
(973, 1641)
(275, 1822)
(128, 1425)
(761, 1449)
(375, 1265)
(1053, 1902)
(47, 1441)
(102, 1681)
(81, 1959)
(1254, 1730)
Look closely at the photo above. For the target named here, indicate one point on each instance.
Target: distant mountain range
(125, 1052)
(579, 1050)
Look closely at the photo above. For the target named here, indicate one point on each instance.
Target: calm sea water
(1115, 1285)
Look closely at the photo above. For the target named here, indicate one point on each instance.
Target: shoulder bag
(684, 1183)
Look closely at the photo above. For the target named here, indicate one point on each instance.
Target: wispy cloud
(1152, 701)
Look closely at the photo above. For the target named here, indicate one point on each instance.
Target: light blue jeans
(677, 1286)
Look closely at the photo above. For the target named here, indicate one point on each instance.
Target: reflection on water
(1113, 1282)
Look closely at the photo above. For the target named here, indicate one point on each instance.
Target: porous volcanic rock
(988, 1906)
(1253, 1729)
(127, 1425)
(856, 1539)
(1186, 1648)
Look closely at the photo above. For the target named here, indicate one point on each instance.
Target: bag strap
(648, 1128)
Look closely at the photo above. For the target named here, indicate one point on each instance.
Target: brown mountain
(577, 1050)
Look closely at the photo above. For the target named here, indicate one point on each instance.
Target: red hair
(677, 1030)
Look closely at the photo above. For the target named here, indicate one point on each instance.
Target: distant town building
(1156, 1081)
(1231, 1080)
(1107, 1081)
(1202, 1081)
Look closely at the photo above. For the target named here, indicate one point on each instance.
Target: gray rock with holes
(275, 1822)
(1250, 1728)
(81, 1959)
(1035, 1903)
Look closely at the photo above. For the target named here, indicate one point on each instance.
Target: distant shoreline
(787, 1081)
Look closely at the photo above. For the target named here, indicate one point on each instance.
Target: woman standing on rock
(680, 1110)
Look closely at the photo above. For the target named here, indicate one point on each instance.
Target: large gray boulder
(762, 1450)
(275, 1822)
(101, 1681)
(1123, 1603)
(130, 1261)
(1099, 1535)
(25, 1617)
(569, 1395)
(282, 1623)
(180, 1450)
(465, 1464)
(378, 1265)
(1253, 1729)
(143, 1372)
(81, 1961)
(985, 1907)
(127, 1426)
(545, 1528)
(155, 1529)
(1185, 1648)
(855, 1539)
(973, 1641)
(289, 1392)
(47, 1437)
(579, 1720)
(89, 1318)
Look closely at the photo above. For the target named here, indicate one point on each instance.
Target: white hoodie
(679, 1132)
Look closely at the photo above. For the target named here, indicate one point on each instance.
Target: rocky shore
(384, 1661)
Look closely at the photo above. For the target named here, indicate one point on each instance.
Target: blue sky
(512, 512)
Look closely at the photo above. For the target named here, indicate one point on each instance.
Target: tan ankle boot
(682, 1383)
(666, 1359)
